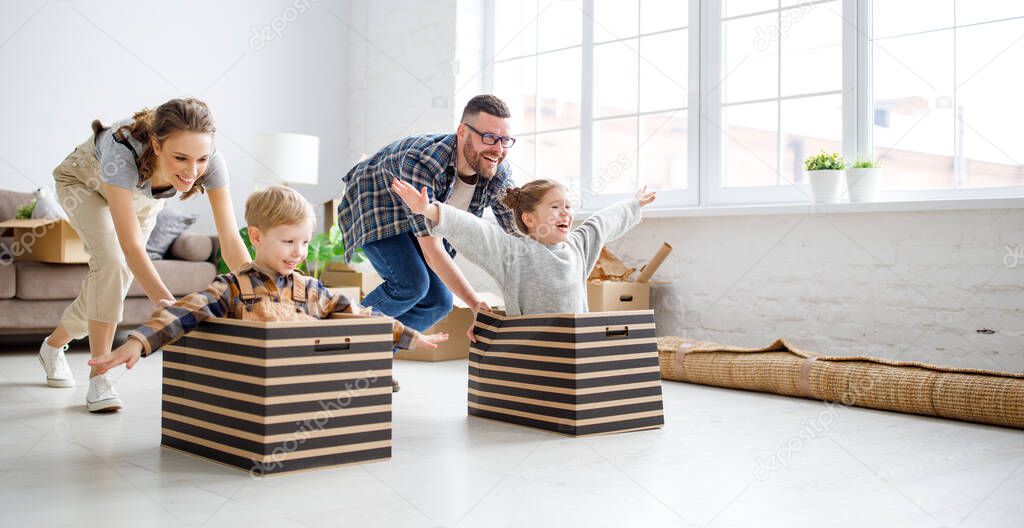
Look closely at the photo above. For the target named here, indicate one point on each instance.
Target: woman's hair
(276, 206)
(525, 199)
(176, 115)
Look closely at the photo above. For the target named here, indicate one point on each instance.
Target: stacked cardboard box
(610, 288)
(44, 240)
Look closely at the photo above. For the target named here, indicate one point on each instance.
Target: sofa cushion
(169, 224)
(192, 247)
(181, 277)
(7, 282)
(10, 201)
(39, 281)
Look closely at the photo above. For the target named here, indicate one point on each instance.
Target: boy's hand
(480, 305)
(417, 201)
(128, 353)
(427, 341)
(644, 197)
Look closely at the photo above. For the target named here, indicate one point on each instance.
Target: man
(465, 170)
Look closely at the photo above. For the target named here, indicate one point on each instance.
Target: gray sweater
(537, 278)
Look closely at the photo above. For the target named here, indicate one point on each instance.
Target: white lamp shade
(286, 158)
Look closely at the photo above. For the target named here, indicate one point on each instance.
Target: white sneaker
(58, 372)
(101, 396)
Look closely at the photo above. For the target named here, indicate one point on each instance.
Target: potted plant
(825, 172)
(862, 180)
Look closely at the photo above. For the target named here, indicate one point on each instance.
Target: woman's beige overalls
(80, 191)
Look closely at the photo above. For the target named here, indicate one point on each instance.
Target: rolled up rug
(972, 395)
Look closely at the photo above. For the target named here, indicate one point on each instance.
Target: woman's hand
(417, 201)
(644, 197)
(128, 354)
(163, 303)
(427, 341)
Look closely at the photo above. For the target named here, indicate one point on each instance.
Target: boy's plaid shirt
(223, 298)
(370, 211)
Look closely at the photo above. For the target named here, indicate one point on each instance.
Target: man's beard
(474, 160)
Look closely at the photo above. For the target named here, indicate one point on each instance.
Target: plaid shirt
(223, 298)
(370, 211)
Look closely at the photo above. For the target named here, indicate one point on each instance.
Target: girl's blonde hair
(526, 198)
(176, 115)
(276, 206)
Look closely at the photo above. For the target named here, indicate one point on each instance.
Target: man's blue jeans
(411, 292)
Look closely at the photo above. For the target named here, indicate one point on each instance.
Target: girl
(546, 271)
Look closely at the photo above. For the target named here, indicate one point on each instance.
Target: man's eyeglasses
(493, 139)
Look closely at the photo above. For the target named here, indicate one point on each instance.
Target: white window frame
(705, 156)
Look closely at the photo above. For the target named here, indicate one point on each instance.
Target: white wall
(914, 285)
(66, 63)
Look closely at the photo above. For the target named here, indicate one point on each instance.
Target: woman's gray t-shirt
(118, 168)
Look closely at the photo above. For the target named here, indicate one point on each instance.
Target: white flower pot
(825, 185)
(863, 184)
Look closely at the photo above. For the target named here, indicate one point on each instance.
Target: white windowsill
(839, 208)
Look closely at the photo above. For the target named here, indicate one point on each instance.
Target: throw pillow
(169, 224)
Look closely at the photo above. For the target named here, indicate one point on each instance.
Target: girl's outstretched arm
(607, 225)
(480, 241)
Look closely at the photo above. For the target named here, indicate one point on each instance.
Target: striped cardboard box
(279, 397)
(577, 374)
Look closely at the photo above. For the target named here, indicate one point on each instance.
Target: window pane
(515, 28)
(740, 7)
(614, 156)
(913, 129)
(812, 48)
(615, 19)
(809, 125)
(558, 89)
(663, 73)
(659, 15)
(751, 155)
(558, 158)
(615, 84)
(522, 157)
(663, 151)
(986, 11)
(560, 24)
(751, 58)
(900, 17)
(988, 63)
(515, 83)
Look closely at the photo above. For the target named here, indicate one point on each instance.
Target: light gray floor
(725, 458)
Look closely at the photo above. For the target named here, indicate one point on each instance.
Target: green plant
(825, 161)
(25, 211)
(865, 163)
(324, 248)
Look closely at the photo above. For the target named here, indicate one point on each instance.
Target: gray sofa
(33, 295)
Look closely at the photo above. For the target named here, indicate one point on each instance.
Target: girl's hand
(480, 305)
(128, 353)
(644, 197)
(417, 201)
(427, 341)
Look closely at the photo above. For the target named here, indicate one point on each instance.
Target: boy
(280, 224)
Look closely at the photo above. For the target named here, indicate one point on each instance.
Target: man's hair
(488, 104)
(276, 206)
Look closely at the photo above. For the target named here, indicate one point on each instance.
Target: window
(719, 101)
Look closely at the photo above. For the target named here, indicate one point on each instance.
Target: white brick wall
(915, 285)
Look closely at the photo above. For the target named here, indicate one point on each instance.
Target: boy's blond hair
(276, 206)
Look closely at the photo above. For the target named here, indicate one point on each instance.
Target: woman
(112, 187)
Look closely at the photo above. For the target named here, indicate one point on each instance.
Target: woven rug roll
(972, 395)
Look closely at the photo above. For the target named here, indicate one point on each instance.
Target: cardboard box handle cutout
(626, 298)
(327, 347)
(610, 332)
